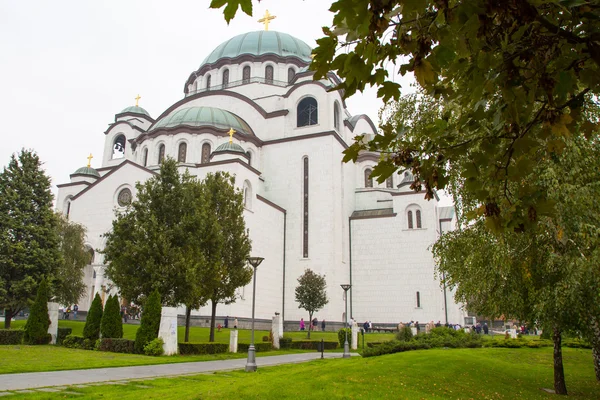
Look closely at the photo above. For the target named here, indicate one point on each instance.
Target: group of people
(66, 311)
(314, 324)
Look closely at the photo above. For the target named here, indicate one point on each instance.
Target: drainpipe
(284, 244)
(350, 262)
(444, 280)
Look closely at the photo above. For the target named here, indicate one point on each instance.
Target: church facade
(304, 207)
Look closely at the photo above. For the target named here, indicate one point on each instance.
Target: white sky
(68, 66)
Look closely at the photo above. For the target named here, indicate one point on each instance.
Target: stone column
(275, 331)
(354, 336)
(280, 327)
(168, 330)
(53, 316)
(233, 341)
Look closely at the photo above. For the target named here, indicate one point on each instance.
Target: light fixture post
(251, 363)
(346, 287)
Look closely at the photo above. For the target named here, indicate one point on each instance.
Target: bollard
(322, 348)
(362, 331)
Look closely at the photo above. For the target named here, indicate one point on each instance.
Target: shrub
(62, 334)
(404, 334)
(266, 346)
(203, 348)
(91, 330)
(111, 325)
(154, 348)
(373, 344)
(395, 346)
(313, 344)
(73, 342)
(342, 336)
(265, 339)
(285, 343)
(577, 344)
(116, 345)
(150, 323)
(36, 327)
(11, 336)
(518, 343)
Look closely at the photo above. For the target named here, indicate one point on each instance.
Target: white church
(304, 207)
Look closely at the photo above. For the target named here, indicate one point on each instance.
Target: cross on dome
(266, 18)
(89, 158)
(137, 99)
(231, 132)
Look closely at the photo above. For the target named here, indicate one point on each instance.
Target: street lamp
(346, 287)
(251, 363)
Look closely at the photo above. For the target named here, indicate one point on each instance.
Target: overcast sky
(68, 66)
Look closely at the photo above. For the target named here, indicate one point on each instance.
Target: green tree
(111, 325)
(91, 330)
(29, 244)
(36, 327)
(68, 285)
(150, 322)
(311, 294)
(225, 243)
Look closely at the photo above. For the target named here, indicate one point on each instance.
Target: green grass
(449, 374)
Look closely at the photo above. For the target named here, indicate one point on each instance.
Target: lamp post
(346, 287)
(251, 363)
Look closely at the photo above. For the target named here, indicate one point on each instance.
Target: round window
(124, 198)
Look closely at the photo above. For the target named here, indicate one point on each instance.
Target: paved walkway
(34, 380)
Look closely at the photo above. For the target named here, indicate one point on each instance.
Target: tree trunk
(188, 313)
(7, 318)
(595, 341)
(309, 323)
(212, 320)
(560, 387)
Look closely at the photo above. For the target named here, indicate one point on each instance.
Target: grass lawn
(449, 374)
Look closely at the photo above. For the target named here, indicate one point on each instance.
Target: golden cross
(265, 20)
(90, 160)
(231, 132)
(137, 99)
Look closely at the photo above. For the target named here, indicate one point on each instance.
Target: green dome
(259, 43)
(87, 171)
(135, 110)
(203, 116)
(230, 147)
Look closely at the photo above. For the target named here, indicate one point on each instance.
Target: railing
(255, 79)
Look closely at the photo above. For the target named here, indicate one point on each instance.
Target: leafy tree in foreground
(91, 330)
(36, 327)
(311, 294)
(150, 322)
(111, 325)
(29, 244)
(515, 76)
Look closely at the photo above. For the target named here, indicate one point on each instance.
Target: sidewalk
(34, 380)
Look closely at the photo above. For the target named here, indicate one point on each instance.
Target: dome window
(161, 153)
(246, 74)
(208, 82)
(205, 153)
(308, 112)
(368, 179)
(291, 74)
(182, 153)
(269, 74)
(336, 116)
(145, 157)
(225, 78)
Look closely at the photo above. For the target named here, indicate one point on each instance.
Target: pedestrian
(315, 323)
(370, 326)
(366, 326)
(302, 326)
(226, 323)
(323, 325)
(485, 328)
(235, 323)
(68, 311)
(75, 309)
(63, 310)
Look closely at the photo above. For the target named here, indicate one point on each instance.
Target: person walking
(235, 323)
(485, 328)
(315, 324)
(226, 323)
(302, 326)
(323, 325)
(75, 309)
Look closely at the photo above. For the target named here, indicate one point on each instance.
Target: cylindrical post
(251, 363)
(346, 347)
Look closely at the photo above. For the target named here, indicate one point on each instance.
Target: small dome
(87, 171)
(203, 116)
(230, 147)
(135, 110)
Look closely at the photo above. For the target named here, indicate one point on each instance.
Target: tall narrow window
(308, 112)
(368, 179)
(205, 153)
(410, 221)
(161, 153)
(389, 183)
(181, 154)
(145, 157)
(269, 74)
(225, 78)
(246, 74)
(418, 300)
(68, 208)
(247, 195)
(119, 147)
(305, 209)
(418, 215)
(249, 158)
(291, 75)
(208, 82)
(336, 116)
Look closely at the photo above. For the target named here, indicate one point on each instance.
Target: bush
(394, 346)
(111, 325)
(116, 345)
(36, 327)
(374, 344)
(203, 348)
(577, 343)
(342, 336)
(11, 336)
(91, 330)
(243, 347)
(73, 342)
(62, 334)
(404, 334)
(154, 348)
(285, 343)
(150, 323)
(265, 339)
(447, 337)
(518, 343)
(313, 344)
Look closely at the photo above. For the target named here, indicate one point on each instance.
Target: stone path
(60, 379)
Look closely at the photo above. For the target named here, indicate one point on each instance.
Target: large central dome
(259, 43)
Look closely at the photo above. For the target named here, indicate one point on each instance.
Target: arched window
(246, 74)
(291, 74)
(269, 74)
(181, 154)
(418, 300)
(389, 182)
(308, 112)
(418, 215)
(336, 116)
(368, 179)
(208, 82)
(91, 255)
(205, 153)
(119, 147)
(247, 195)
(195, 86)
(67, 206)
(249, 158)
(410, 220)
(161, 153)
(225, 78)
(145, 157)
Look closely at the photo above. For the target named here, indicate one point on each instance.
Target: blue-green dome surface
(230, 147)
(258, 43)
(135, 110)
(87, 171)
(203, 116)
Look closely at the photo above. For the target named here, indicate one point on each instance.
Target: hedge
(11, 336)
(313, 345)
(117, 345)
(203, 348)
(36, 327)
(62, 334)
(243, 347)
(394, 346)
(79, 342)
(285, 343)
